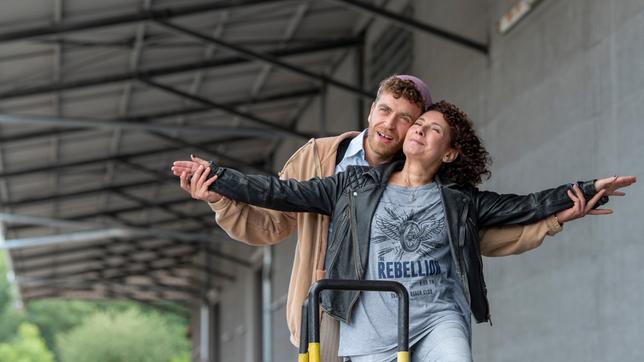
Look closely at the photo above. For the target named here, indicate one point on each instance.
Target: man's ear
(450, 156)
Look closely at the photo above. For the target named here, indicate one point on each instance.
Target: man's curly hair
(401, 88)
(473, 159)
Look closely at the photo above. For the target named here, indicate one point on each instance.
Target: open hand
(189, 167)
(612, 184)
(193, 178)
(581, 207)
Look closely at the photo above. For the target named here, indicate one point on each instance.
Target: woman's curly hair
(473, 159)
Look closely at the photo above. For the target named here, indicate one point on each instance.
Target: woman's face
(428, 140)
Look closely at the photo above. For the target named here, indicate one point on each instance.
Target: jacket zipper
(354, 234)
(457, 264)
(463, 222)
(336, 229)
(461, 230)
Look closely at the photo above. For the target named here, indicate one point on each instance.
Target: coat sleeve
(258, 226)
(500, 209)
(516, 239)
(317, 195)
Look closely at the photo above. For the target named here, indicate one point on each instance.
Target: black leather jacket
(352, 197)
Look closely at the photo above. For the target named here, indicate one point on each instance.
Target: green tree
(130, 336)
(183, 357)
(57, 316)
(27, 346)
(5, 290)
(10, 317)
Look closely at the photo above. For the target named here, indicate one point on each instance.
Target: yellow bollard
(303, 357)
(403, 356)
(314, 352)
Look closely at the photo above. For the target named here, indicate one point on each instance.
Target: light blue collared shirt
(354, 156)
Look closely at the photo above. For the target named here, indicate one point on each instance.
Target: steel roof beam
(160, 287)
(148, 205)
(204, 245)
(167, 114)
(44, 260)
(59, 196)
(106, 294)
(167, 70)
(100, 272)
(219, 156)
(99, 247)
(141, 15)
(415, 25)
(269, 59)
(101, 255)
(162, 221)
(7, 118)
(117, 211)
(119, 157)
(96, 232)
(248, 116)
(112, 272)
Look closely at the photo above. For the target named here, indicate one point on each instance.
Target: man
(399, 102)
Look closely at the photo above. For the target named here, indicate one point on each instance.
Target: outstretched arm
(517, 239)
(316, 195)
(497, 209)
(247, 223)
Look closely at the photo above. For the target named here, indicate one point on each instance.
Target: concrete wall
(559, 98)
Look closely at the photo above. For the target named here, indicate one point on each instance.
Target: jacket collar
(445, 182)
(381, 173)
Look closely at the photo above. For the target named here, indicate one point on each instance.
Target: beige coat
(258, 226)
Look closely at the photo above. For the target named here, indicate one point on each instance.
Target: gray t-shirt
(409, 244)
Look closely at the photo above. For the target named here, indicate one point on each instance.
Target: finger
(199, 160)
(622, 181)
(204, 175)
(204, 188)
(626, 180)
(185, 164)
(210, 181)
(580, 197)
(195, 166)
(575, 202)
(573, 198)
(601, 212)
(594, 199)
(198, 190)
(194, 183)
(616, 193)
(177, 170)
(184, 182)
(571, 195)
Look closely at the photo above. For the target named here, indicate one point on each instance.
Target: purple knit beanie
(420, 86)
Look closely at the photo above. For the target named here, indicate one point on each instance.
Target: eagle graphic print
(413, 231)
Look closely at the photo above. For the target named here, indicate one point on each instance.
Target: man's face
(389, 120)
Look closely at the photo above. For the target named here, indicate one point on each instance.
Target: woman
(414, 221)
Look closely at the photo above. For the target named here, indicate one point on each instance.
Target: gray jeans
(449, 341)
